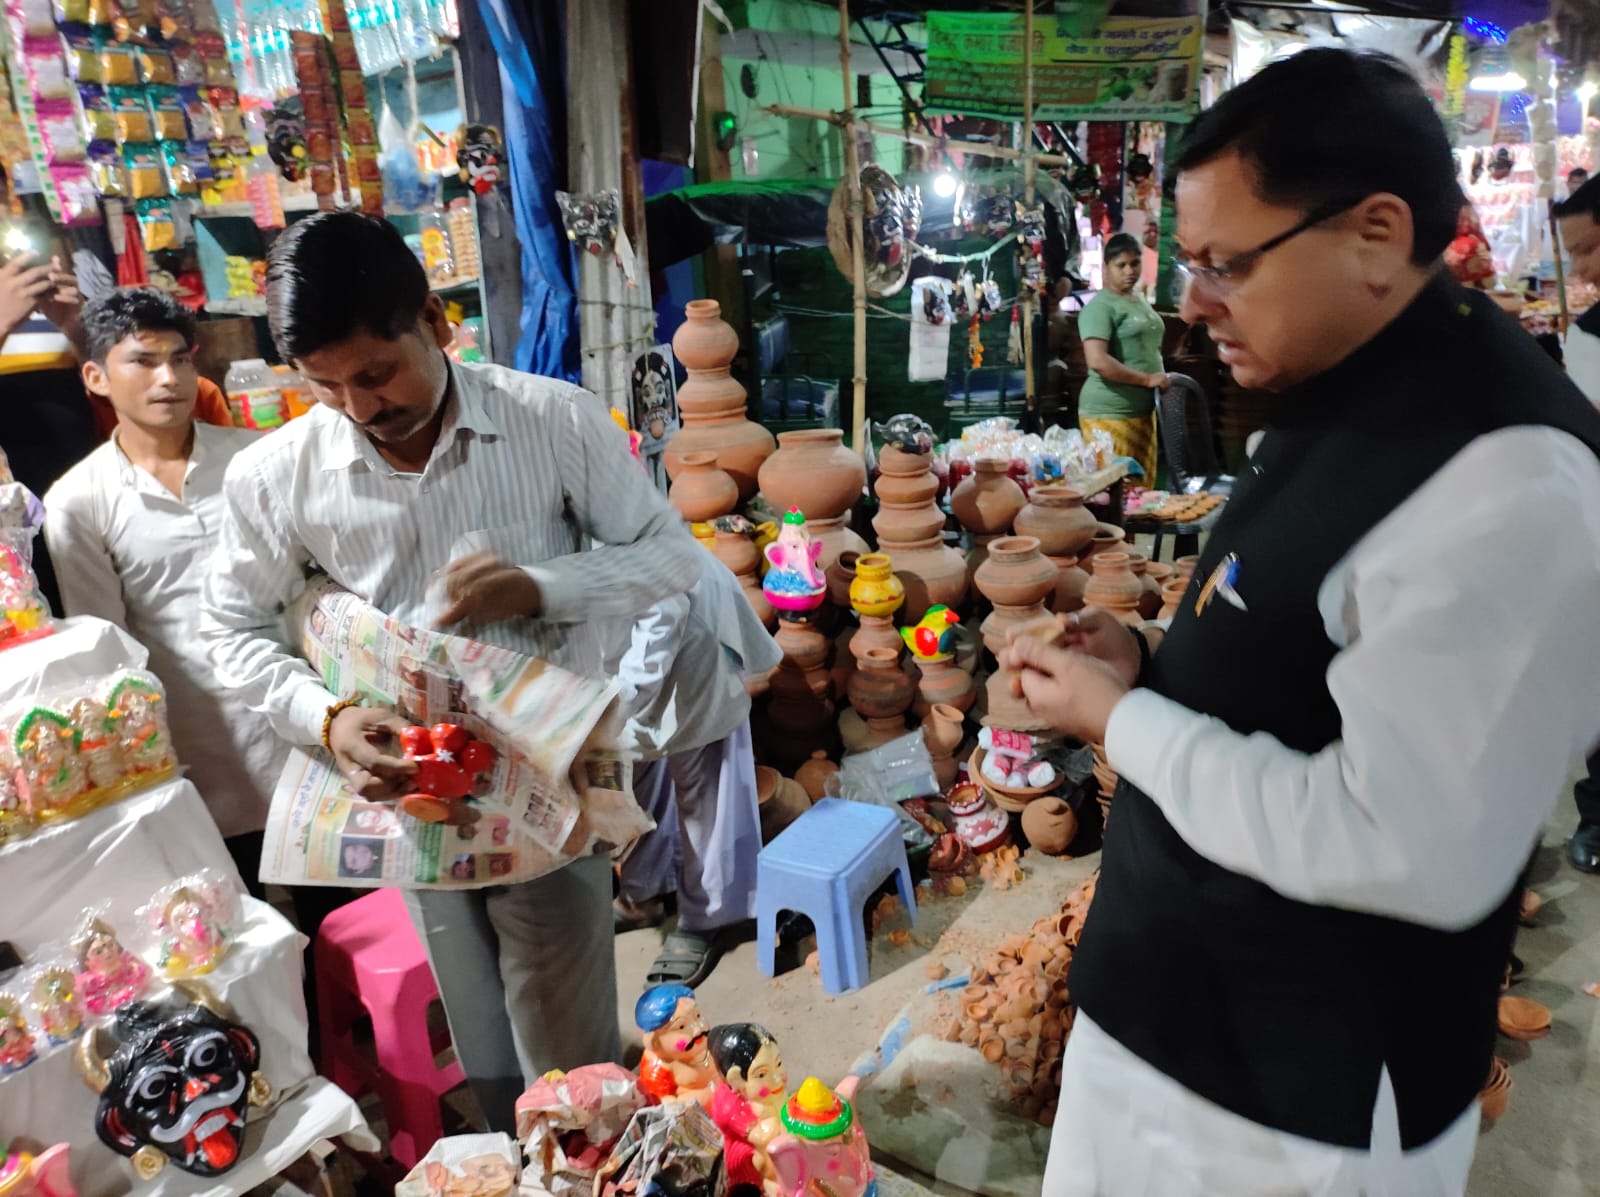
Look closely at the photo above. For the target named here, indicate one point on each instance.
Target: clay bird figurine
(934, 635)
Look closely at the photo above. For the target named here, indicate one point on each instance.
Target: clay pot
(814, 471)
(1070, 584)
(1172, 598)
(800, 710)
(841, 573)
(1056, 517)
(1496, 1093)
(876, 591)
(1184, 567)
(1150, 598)
(1114, 587)
(988, 502)
(943, 683)
(906, 491)
(1049, 825)
(701, 491)
(880, 692)
(943, 730)
(1523, 1018)
(932, 573)
(1016, 575)
(737, 551)
(780, 801)
(712, 403)
(1106, 537)
(875, 632)
(836, 538)
(814, 775)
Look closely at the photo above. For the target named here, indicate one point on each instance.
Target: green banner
(1127, 69)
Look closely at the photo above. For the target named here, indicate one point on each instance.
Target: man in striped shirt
(514, 496)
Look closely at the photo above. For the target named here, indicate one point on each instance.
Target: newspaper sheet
(559, 789)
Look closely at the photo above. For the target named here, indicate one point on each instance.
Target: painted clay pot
(943, 730)
(1016, 574)
(814, 775)
(1056, 517)
(1070, 583)
(779, 800)
(943, 683)
(701, 491)
(814, 471)
(880, 693)
(1049, 825)
(1114, 587)
(1150, 595)
(1107, 537)
(841, 573)
(712, 403)
(988, 501)
(875, 590)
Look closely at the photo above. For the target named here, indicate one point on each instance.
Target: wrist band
(1144, 651)
(343, 704)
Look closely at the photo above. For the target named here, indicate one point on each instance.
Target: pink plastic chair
(371, 964)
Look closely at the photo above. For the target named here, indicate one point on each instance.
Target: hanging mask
(481, 156)
(286, 139)
(1139, 168)
(178, 1085)
(1500, 165)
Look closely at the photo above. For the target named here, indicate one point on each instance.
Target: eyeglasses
(1223, 278)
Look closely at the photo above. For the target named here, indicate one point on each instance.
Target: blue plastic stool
(825, 865)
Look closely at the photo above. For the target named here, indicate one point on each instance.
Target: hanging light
(1586, 92)
(944, 184)
(1495, 72)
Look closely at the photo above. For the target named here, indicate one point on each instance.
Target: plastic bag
(24, 614)
(569, 1122)
(464, 1166)
(404, 187)
(190, 923)
(890, 773)
(55, 1005)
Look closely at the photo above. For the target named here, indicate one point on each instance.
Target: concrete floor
(1547, 1145)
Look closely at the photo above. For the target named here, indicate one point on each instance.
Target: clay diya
(1523, 1018)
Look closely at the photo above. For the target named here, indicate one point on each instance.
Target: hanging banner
(1127, 69)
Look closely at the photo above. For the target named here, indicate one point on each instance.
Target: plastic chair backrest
(1185, 427)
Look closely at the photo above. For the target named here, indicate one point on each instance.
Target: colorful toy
(109, 976)
(793, 582)
(136, 706)
(450, 760)
(178, 1085)
(825, 1150)
(51, 776)
(98, 746)
(56, 1005)
(16, 1041)
(193, 922)
(23, 1174)
(934, 637)
(15, 819)
(676, 1065)
(25, 613)
(747, 1103)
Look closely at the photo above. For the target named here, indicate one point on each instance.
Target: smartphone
(15, 241)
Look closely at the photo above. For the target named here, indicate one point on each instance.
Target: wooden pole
(1561, 269)
(856, 211)
(1026, 299)
(938, 143)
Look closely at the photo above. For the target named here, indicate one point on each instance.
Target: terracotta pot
(880, 692)
(943, 683)
(1523, 1018)
(840, 574)
(1150, 596)
(877, 632)
(799, 709)
(1172, 597)
(987, 502)
(1056, 517)
(836, 538)
(906, 491)
(814, 471)
(1070, 584)
(712, 403)
(701, 491)
(1049, 825)
(1114, 587)
(876, 591)
(814, 775)
(738, 552)
(943, 730)
(1185, 567)
(1016, 575)
(1106, 537)
(757, 598)
(932, 573)
(779, 800)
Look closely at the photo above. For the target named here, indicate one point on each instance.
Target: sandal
(686, 958)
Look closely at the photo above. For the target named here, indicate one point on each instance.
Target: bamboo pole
(855, 209)
(1029, 162)
(938, 143)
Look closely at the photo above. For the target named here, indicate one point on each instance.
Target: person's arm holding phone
(28, 285)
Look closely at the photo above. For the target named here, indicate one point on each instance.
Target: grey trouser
(528, 977)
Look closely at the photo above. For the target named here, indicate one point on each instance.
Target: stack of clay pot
(881, 693)
(944, 729)
(1108, 538)
(910, 529)
(780, 800)
(1017, 1011)
(1176, 586)
(814, 472)
(1017, 579)
(712, 403)
(1496, 1093)
(1105, 779)
(800, 706)
(1151, 575)
(1115, 588)
(986, 503)
(1064, 527)
(739, 553)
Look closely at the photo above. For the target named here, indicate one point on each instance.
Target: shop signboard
(1125, 69)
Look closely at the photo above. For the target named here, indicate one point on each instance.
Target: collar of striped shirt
(467, 412)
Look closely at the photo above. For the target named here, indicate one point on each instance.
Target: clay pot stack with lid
(1017, 579)
(1017, 1010)
(712, 403)
(910, 528)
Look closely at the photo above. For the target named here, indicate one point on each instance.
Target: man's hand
(1105, 638)
(483, 589)
(23, 284)
(358, 737)
(1071, 690)
(61, 305)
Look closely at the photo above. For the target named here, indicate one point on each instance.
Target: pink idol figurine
(824, 1150)
(23, 1174)
(109, 976)
(747, 1104)
(794, 583)
(676, 1065)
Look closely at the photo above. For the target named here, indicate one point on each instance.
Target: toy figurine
(825, 1149)
(97, 743)
(16, 1041)
(23, 614)
(449, 762)
(109, 975)
(676, 1065)
(23, 1174)
(56, 1004)
(747, 1103)
(136, 703)
(52, 776)
(15, 820)
(934, 637)
(193, 929)
(793, 581)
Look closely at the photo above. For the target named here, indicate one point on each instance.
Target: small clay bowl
(1523, 1018)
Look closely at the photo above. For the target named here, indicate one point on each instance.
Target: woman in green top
(1121, 336)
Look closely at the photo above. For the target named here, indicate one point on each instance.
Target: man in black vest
(1335, 765)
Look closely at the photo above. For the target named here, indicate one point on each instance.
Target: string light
(1487, 30)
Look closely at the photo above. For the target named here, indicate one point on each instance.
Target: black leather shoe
(1583, 849)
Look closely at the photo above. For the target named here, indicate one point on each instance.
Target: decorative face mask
(480, 157)
(178, 1087)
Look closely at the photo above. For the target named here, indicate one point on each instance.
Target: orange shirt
(210, 408)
